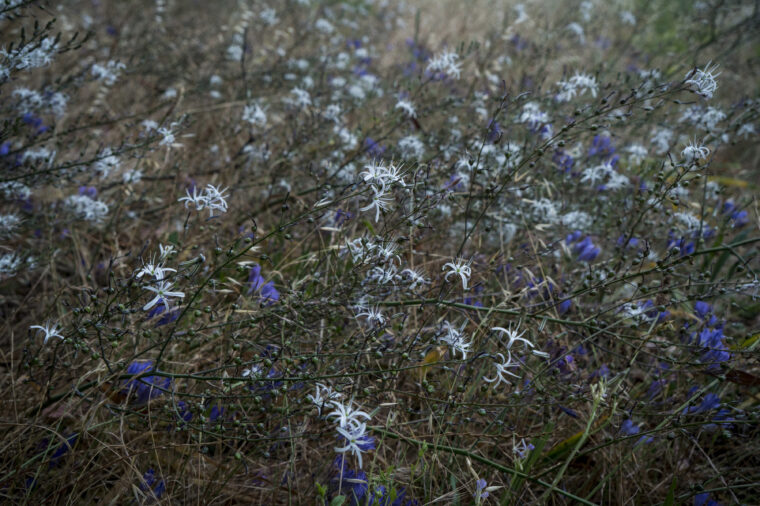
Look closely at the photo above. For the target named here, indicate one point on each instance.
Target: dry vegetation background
(645, 385)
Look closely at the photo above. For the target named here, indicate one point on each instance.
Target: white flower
(617, 181)
(49, 330)
(15, 190)
(108, 73)
(383, 275)
(690, 222)
(301, 98)
(324, 26)
(40, 154)
(132, 176)
(411, 147)
(215, 199)
(268, 16)
(705, 118)
(703, 81)
(169, 138)
(210, 197)
(235, 52)
(31, 55)
(576, 220)
(460, 268)
(353, 436)
(406, 107)
(379, 200)
(416, 279)
(9, 264)
(87, 208)
(8, 224)
(628, 18)
(578, 31)
(695, 151)
(377, 173)
(456, 339)
(513, 336)
(661, 140)
(254, 371)
(544, 210)
(332, 113)
(165, 251)
(636, 153)
(30, 101)
(577, 83)
(533, 115)
(198, 200)
(156, 271)
(387, 252)
(255, 115)
(746, 130)
(447, 63)
(374, 315)
(502, 370)
(323, 395)
(597, 174)
(163, 293)
(346, 415)
(106, 162)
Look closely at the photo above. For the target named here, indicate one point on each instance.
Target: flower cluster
(351, 430)
(211, 198)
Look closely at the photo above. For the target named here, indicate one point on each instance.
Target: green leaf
(453, 484)
(369, 227)
(337, 501)
(670, 500)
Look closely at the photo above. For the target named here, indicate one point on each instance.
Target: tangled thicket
(379, 252)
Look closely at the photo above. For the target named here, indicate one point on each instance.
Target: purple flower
(586, 250)
(216, 413)
(702, 308)
(342, 217)
(373, 149)
(169, 317)
(602, 147)
(266, 290)
(146, 387)
(737, 218)
(631, 429)
(709, 403)
(602, 372)
(563, 160)
(63, 449)
(480, 489)
(684, 247)
(703, 499)
(90, 191)
(494, 131)
(255, 280)
(269, 293)
(353, 484)
(574, 237)
(632, 242)
(148, 482)
(183, 410)
(568, 411)
(518, 42)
